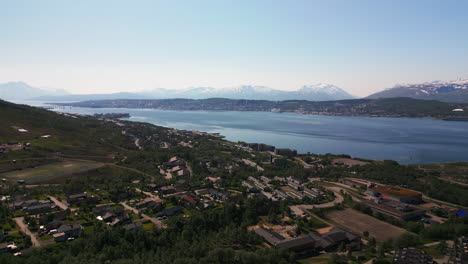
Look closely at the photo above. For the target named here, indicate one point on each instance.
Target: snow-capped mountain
(324, 92)
(319, 92)
(446, 91)
(21, 91)
(316, 92)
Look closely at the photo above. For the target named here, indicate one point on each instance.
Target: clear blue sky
(108, 46)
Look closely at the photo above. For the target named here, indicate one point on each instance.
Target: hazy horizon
(116, 46)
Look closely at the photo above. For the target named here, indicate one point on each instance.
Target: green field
(50, 171)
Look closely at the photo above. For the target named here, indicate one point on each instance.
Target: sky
(362, 46)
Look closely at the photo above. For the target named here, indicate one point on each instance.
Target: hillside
(452, 91)
(70, 135)
(397, 107)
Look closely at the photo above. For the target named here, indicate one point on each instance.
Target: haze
(111, 46)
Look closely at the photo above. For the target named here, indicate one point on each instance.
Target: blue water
(406, 140)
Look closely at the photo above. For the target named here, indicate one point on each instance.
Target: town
(144, 179)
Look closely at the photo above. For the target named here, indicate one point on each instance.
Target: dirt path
(146, 217)
(20, 222)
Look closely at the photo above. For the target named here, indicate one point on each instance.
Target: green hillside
(73, 136)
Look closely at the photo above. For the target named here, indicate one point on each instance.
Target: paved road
(60, 204)
(146, 217)
(24, 228)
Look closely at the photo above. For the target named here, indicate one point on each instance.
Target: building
(395, 209)
(39, 208)
(167, 189)
(398, 194)
(265, 179)
(297, 195)
(265, 147)
(250, 188)
(313, 192)
(168, 212)
(286, 152)
(309, 244)
(281, 195)
(411, 256)
(77, 199)
(138, 226)
(354, 183)
(70, 230)
(271, 237)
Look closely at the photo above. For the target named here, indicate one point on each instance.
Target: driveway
(24, 228)
(146, 217)
(62, 205)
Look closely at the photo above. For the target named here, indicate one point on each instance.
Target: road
(146, 217)
(60, 204)
(152, 196)
(24, 228)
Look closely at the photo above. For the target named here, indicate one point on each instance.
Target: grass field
(50, 171)
(359, 222)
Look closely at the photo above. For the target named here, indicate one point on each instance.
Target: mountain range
(318, 92)
(23, 91)
(445, 91)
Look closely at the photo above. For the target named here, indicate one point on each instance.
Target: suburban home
(39, 208)
(167, 189)
(67, 231)
(138, 226)
(168, 212)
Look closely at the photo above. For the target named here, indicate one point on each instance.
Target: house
(190, 200)
(313, 192)
(217, 194)
(297, 195)
(153, 205)
(250, 188)
(138, 226)
(168, 212)
(39, 208)
(173, 162)
(77, 199)
(216, 180)
(66, 231)
(411, 256)
(281, 195)
(54, 216)
(286, 152)
(60, 237)
(271, 237)
(265, 179)
(167, 189)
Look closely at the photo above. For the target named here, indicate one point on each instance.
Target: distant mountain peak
(448, 91)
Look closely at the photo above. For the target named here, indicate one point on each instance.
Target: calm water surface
(406, 140)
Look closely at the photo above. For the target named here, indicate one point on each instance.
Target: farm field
(50, 171)
(359, 222)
